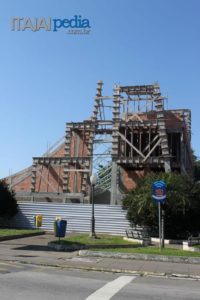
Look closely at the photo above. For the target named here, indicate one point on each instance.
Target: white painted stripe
(111, 288)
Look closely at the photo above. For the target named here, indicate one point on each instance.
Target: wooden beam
(127, 141)
(158, 142)
(59, 177)
(154, 139)
(39, 173)
(77, 170)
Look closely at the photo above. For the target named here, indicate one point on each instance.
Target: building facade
(128, 135)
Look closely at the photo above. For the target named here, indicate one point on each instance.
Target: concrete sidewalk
(34, 250)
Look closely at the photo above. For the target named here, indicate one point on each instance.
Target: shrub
(182, 207)
(8, 203)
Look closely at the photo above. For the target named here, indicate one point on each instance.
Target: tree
(8, 203)
(196, 166)
(197, 170)
(182, 207)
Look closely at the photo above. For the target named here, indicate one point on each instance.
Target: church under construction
(129, 134)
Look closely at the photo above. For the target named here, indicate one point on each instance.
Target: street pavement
(49, 283)
(34, 251)
(29, 270)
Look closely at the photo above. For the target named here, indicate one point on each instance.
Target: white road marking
(111, 288)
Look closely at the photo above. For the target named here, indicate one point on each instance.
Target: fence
(108, 218)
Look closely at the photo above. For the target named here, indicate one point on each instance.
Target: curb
(112, 270)
(20, 236)
(137, 256)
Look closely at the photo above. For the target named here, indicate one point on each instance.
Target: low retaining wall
(187, 246)
(167, 242)
(137, 256)
(20, 236)
(143, 242)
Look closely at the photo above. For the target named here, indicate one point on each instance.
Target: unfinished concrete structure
(129, 134)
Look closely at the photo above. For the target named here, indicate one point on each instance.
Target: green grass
(117, 244)
(153, 250)
(102, 239)
(196, 246)
(9, 232)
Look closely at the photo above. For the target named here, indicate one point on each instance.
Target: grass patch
(196, 246)
(113, 244)
(153, 250)
(11, 232)
(102, 241)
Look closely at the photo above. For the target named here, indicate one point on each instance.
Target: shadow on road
(34, 248)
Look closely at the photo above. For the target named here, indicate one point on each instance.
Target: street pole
(159, 224)
(159, 195)
(163, 227)
(93, 181)
(93, 235)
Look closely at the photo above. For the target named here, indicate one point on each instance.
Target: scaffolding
(129, 131)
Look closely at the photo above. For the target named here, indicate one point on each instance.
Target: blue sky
(49, 78)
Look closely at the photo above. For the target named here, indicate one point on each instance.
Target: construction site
(129, 134)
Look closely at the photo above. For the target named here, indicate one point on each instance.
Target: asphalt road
(22, 282)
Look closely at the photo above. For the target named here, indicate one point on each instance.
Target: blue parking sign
(159, 191)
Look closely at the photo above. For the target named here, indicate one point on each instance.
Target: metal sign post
(163, 227)
(159, 196)
(159, 225)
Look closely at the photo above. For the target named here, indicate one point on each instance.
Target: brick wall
(41, 184)
(130, 178)
(79, 147)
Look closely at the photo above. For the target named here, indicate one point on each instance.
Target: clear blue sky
(49, 78)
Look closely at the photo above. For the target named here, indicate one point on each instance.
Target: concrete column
(167, 165)
(182, 160)
(113, 197)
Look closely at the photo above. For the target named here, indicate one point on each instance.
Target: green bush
(8, 203)
(182, 207)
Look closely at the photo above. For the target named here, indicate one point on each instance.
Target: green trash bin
(55, 227)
